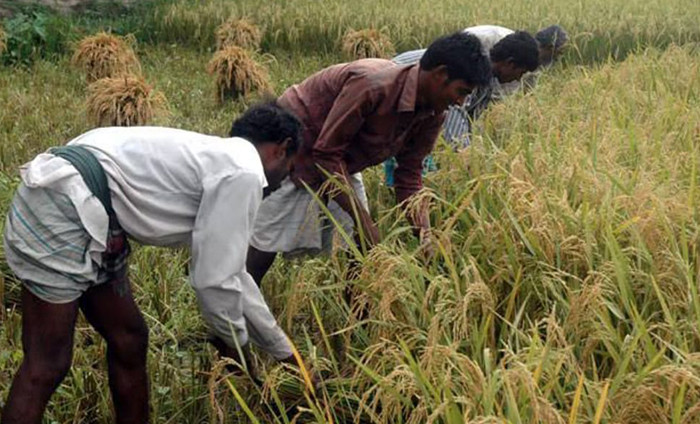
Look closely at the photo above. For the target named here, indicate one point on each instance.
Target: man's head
(552, 41)
(514, 55)
(451, 68)
(275, 132)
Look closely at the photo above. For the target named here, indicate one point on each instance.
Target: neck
(423, 89)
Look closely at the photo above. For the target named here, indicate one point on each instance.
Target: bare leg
(110, 308)
(258, 263)
(47, 342)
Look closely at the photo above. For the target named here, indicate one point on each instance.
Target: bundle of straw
(237, 73)
(123, 101)
(238, 32)
(105, 55)
(367, 43)
(3, 43)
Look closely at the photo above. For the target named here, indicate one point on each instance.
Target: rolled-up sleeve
(343, 123)
(408, 176)
(229, 300)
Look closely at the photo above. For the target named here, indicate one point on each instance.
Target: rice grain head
(240, 33)
(105, 55)
(123, 101)
(367, 43)
(237, 74)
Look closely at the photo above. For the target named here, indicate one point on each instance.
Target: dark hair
(520, 48)
(553, 37)
(462, 54)
(268, 123)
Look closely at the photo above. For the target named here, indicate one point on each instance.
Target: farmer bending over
(356, 115)
(66, 239)
(512, 54)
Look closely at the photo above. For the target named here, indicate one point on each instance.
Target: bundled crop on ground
(123, 101)
(565, 282)
(237, 73)
(238, 32)
(106, 55)
(367, 43)
(3, 43)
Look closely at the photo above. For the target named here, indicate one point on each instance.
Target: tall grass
(600, 28)
(565, 287)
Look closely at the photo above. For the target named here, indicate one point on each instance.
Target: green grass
(565, 288)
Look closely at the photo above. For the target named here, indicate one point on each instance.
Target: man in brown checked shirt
(356, 115)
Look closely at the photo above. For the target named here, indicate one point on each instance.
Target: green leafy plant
(25, 35)
(33, 35)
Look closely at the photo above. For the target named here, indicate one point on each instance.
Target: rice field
(566, 283)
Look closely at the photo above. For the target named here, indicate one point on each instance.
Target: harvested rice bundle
(123, 101)
(237, 73)
(367, 43)
(238, 32)
(105, 55)
(3, 43)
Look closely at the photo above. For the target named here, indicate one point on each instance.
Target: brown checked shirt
(357, 115)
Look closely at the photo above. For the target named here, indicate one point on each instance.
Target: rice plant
(237, 74)
(123, 101)
(238, 32)
(106, 55)
(366, 43)
(602, 28)
(565, 284)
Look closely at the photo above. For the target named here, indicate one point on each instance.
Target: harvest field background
(566, 284)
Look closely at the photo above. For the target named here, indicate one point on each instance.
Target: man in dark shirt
(356, 115)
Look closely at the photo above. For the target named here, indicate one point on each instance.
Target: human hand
(371, 232)
(428, 244)
(246, 361)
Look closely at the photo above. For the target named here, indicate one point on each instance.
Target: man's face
(449, 92)
(277, 165)
(507, 71)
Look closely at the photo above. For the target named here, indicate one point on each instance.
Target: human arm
(355, 102)
(408, 178)
(220, 237)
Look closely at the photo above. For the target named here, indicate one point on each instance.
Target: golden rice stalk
(105, 55)
(237, 73)
(123, 101)
(367, 43)
(238, 32)
(3, 43)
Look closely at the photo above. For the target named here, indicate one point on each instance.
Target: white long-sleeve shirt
(172, 187)
(456, 126)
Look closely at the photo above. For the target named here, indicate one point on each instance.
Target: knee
(47, 370)
(130, 345)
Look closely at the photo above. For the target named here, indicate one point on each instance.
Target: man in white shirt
(65, 239)
(512, 54)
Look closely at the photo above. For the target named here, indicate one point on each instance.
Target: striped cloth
(47, 247)
(409, 58)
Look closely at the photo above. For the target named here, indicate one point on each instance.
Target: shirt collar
(407, 101)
